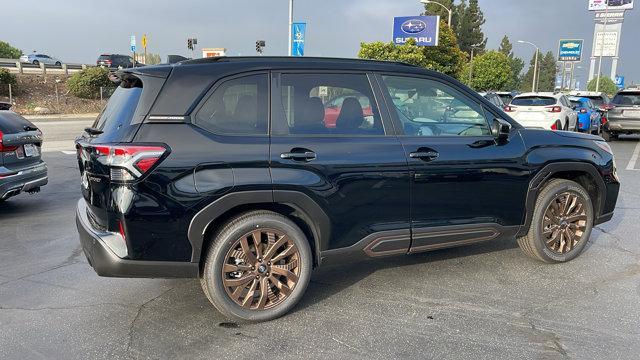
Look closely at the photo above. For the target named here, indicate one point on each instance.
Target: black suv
(225, 169)
(115, 61)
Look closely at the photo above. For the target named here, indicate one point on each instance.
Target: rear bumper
(106, 263)
(24, 180)
(623, 125)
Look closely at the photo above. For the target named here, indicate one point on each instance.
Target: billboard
(606, 43)
(601, 5)
(570, 50)
(298, 33)
(423, 29)
(619, 82)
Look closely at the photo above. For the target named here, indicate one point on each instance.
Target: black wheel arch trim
(546, 173)
(307, 208)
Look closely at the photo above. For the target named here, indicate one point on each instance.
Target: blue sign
(132, 42)
(570, 50)
(298, 31)
(620, 82)
(423, 29)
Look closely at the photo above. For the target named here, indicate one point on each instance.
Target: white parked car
(543, 110)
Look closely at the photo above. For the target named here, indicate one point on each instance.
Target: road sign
(607, 43)
(133, 43)
(619, 82)
(298, 33)
(425, 30)
(601, 5)
(143, 41)
(570, 50)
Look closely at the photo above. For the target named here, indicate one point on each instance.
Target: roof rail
(281, 58)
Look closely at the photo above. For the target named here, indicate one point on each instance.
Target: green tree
(607, 85)
(469, 27)
(435, 9)
(445, 58)
(548, 71)
(491, 71)
(516, 64)
(9, 52)
(86, 84)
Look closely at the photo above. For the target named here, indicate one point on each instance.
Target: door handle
(299, 156)
(424, 155)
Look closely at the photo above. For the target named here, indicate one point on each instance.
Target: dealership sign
(423, 29)
(570, 50)
(601, 5)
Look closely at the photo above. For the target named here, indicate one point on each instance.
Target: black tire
(58, 63)
(608, 137)
(533, 243)
(36, 62)
(566, 125)
(558, 125)
(226, 239)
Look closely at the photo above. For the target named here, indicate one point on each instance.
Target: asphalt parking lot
(476, 302)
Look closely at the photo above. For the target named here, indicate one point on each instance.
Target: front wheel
(561, 223)
(258, 267)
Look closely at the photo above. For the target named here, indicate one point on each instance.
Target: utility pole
(604, 33)
(290, 26)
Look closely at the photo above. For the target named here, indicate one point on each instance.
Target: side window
(236, 107)
(329, 104)
(431, 108)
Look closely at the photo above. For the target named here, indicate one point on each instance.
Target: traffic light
(190, 44)
(260, 44)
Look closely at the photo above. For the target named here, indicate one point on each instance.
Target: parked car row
(581, 111)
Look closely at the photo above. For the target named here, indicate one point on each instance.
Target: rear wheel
(258, 267)
(561, 224)
(36, 62)
(566, 125)
(58, 63)
(608, 137)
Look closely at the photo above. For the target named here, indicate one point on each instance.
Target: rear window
(596, 100)
(103, 57)
(119, 110)
(630, 98)
(506, 98)
(576, 103)
(534, 101)
(12, 123)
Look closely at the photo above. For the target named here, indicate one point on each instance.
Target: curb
(58, 117)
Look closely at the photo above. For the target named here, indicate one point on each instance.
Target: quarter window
(329, 104)
(237, 106)
(431, 108)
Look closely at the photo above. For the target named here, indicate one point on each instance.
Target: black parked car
(624, 116)
(116, 61)
(225, 169)
(21, 168)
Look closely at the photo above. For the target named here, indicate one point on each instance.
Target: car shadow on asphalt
(331, 280)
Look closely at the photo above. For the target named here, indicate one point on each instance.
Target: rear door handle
(299, 156)
(424, 155)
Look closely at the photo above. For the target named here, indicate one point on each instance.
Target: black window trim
(280, 121)
(191, 118)
(397, 124)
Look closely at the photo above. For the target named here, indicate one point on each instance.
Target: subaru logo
(413, 26)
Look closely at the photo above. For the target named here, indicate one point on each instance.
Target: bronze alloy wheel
(565, 221)
(261, 269)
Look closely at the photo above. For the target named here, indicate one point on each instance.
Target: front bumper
(24, 180)
(106, 263)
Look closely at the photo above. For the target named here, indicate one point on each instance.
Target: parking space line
(634, 158)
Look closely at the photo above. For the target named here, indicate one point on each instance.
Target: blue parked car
(589, 116)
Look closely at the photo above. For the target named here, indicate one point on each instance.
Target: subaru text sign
(423, 29)
(298, 31)
(570, 50)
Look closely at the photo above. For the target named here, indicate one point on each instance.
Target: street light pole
(290, 25)
(604, 33)
(535, 66)
(444, 7)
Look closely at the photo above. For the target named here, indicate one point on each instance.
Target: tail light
(4, 148)
(604, 120)
(508, 108)
(554, 127)
(583, 111)
(127, 162)
(554, 109)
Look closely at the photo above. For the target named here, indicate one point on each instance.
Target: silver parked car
(37, 59)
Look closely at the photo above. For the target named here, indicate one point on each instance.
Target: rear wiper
(93, 131)
(30, 128)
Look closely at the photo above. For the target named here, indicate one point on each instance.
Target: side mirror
(500, 130)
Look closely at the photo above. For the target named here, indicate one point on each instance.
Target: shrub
(6, 78)
(86, 83)
(9, 52)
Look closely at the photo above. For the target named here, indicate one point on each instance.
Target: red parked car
(332, 109)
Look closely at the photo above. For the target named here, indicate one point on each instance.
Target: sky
(79, 30)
